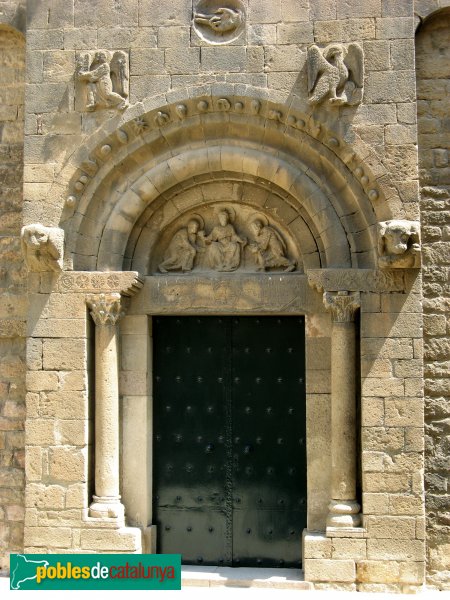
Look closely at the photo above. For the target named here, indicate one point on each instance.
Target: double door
(229, 439)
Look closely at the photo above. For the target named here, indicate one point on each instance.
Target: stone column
(344, 510)
(106, 311)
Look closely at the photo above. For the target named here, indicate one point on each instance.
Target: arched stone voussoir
(185, 139)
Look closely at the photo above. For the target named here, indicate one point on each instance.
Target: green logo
(95, 572)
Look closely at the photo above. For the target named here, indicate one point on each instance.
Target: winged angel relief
(336, 73)
(107, 79)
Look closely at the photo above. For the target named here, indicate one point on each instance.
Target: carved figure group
(223, 247)
(42, 247)
(107, 80)
(399, 244)
(336, 73)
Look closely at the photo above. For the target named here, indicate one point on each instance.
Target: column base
(344, 513)
(107, 507)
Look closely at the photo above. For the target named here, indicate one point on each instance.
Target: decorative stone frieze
(336, 74)
(354, 280)
(42, 247)
(344, 510)
(126, 282)
(399, 244)
(105, 78)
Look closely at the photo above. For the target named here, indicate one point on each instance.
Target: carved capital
(342, 305)
(105, 308)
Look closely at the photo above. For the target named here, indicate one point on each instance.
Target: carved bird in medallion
(222, 20)
(336, 72)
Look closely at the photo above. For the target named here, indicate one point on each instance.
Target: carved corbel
(43, 248)
(399, 244)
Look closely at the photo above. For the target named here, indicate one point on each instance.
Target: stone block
(73, 433)
(134, 351)
(33, 463)
(396, 8)
(390, 571)
(262, 35)
(265, 12)
(393, 28)
(285, 58)
(39, 432)
(400, 134)
(375, 504)
(76, 496)
(51, 537)
(107, 13)
(350, 9)
(386, 86)
(44, 496)
(316, 545)
(146, 61)
(68, 464)
(156, 14)
(143, 86)
(397, 528)
(329, 570)
(385, 387)
(173, 37)
(64, 354)
(133, 383)
(223, 59)
(80, 39)
(295, 33)
(343, 548)
(391, 549)
(405, 505)
(63, 405)
(392, 325)
(376, 55)
(126, 38)
(402, 54)
(37, 381)
(57, 328)
(404, 413)
(344, 30)
(127, 539)
(45, 39)
(387, 482)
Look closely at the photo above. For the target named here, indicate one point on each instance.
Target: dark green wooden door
(229, 439)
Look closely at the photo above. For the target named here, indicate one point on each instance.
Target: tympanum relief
(106, 79)
(335, 74)
(256, 246)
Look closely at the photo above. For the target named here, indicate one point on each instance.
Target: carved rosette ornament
(342, 305)
(105, 308)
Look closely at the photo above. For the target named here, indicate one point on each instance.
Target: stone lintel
(356, 280)
(227, 293)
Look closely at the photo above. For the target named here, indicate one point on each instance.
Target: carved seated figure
(224, 252)
(399, 244)
(182, 250)
(42, 247)
(269, 247)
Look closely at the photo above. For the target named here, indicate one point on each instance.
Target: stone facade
(258, 158)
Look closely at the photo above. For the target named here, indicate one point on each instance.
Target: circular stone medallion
(219, 21)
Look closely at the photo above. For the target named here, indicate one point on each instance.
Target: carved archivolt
(399, 244)
(42, 247)
(105, 78)
(336, 74)
(258, 247)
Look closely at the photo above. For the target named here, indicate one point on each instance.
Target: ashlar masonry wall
(13, 297)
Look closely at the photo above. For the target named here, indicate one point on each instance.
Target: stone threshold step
(244, 577)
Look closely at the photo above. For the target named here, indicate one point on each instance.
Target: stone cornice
(356, 280)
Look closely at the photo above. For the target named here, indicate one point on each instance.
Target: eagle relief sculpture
(336, 74)
(106, 78)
